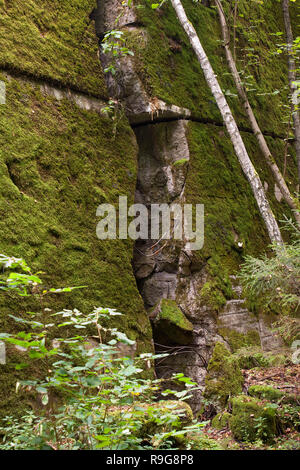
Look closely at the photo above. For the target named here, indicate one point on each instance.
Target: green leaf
(45, 399)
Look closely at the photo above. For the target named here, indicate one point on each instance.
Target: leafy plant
(276, 278)
(104, 403)
(113, 44)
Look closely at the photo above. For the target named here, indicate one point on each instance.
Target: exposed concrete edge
(158, 110)
(82, 100)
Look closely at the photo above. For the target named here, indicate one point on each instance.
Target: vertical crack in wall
(162, 268)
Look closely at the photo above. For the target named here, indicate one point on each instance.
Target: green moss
(221, 420)
(266, 392)
(238, 340)
(177, 408)
(252, 419)
(152, 417)
(202, 443)
(251, 357)
(224, 378)
(170, 312)
(272, 394)
(212, 296)
(216, 180)
(288, 416)
(169, 69)
(53, 40)
(181, 162)
(180, 408)
(57, 164)
(170, 323)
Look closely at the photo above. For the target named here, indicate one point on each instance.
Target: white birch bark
(293, 204)
(232, 128)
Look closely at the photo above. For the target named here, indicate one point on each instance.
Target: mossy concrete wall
(52, 40)
(163, 88)
(60, 159)
(167, 65)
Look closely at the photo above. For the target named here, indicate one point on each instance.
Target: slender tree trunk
(240, 149)
(293, 204)
(292, 79)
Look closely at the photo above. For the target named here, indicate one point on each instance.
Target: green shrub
(276, 278)
(92, 396)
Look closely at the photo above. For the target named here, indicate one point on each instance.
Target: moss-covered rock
(211, 295)
(169, 70)
(178, 408)
(266, 392)
(163, 416)
(201, 443)
(224, 378)
(289, 416)
(253, 419)
(272, 394)
(170, 322)
(237, 340)
(253, 356)
(55, 41)
(249, 361)
(221, 420)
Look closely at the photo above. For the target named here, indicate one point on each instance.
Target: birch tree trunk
(293, 204)
(234, 133)
(292, 79)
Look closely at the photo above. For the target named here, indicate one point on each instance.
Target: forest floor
(283, 378)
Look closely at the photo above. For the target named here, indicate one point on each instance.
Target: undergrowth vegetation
(92, 396)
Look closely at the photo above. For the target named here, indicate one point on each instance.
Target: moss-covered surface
(57, 164)
(169, 69)
(177, 414)
(266, 392)
(212, 295)
(198, 442)
(221, 420)
(272, 394)
(250, 357)
(170, 312)
(238, 340)
(265, 417)
(252, 419)
(181, 162)
(224, 378)
(170, 323)
(53, 40)
(216, 180)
